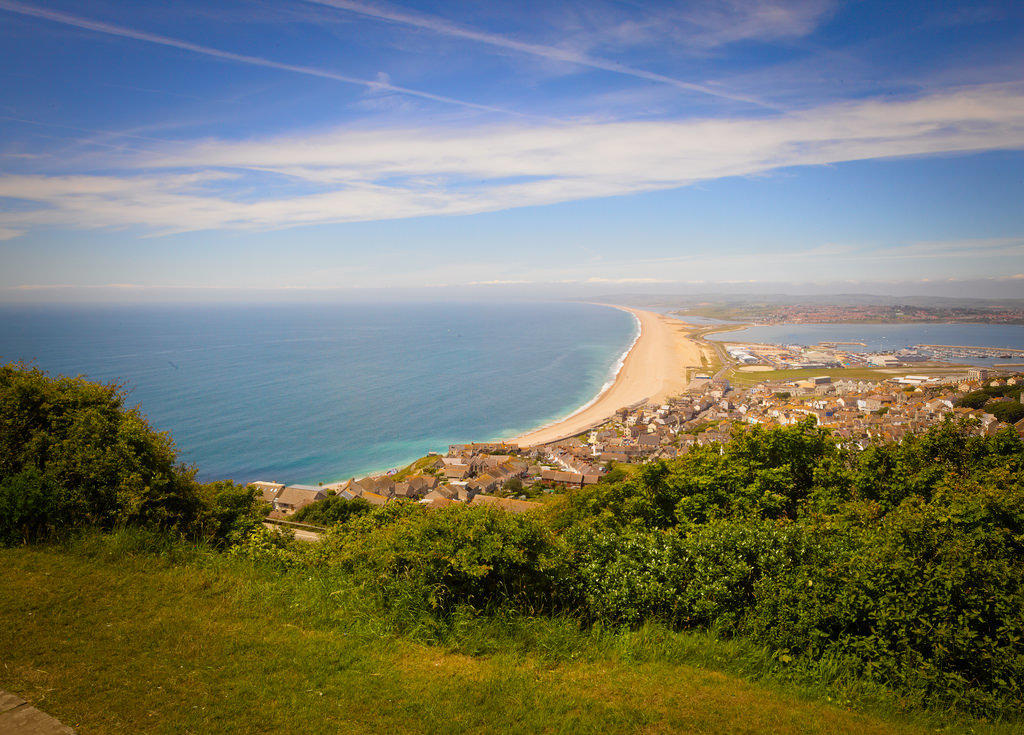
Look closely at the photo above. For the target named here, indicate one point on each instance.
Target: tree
(1009, 411)
(86, 459)
(975, 399)
(513, 486)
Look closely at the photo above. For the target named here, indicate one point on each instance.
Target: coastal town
(868, 313)
(885, 402)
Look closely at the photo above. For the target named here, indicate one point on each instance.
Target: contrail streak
(115, 30)
(548, 52)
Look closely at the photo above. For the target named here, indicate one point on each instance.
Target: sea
(885, 337)
(319, 393)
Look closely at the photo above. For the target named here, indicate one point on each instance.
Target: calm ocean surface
(308, 393)
(884, 336)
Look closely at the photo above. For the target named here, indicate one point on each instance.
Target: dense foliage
(905, 561)
(901, 564)
(72, 455)
(1002, 401)
(330, 510)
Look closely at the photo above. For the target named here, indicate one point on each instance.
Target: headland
(655, 368)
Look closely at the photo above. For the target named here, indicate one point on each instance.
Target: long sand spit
(654, 369)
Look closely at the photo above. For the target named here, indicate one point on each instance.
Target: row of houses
(470, 473)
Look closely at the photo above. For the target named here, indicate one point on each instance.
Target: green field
(111, 639)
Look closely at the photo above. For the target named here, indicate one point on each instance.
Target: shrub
(31, 507)
(331, 510)
(764, 473)
(926, 600)
(904, 562)
(85, 459)
(230, 512)
(704, 577)
(460, 555)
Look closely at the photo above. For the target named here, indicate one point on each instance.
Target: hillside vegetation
(890, 577)
(73, 456)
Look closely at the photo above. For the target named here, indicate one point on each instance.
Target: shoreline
(608, 384)
(637, 377)
(653, 368)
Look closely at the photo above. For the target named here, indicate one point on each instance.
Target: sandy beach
(655, 368)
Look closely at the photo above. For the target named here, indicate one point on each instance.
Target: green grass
(112, 636)
(415, 468)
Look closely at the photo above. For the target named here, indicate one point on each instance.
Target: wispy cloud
(358, 175)
(598, 279)
(312, 71)
(553, 53)
(697, 28)
(729, 21)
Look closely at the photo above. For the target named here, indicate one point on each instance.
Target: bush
(72, 455)
(459, 555)
(926, 600)
(31, 507)
(1008, 411)
(904, 562)
(331, 510)
(701, 578)
(764, 473)
(230, 512)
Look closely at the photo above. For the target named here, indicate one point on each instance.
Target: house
(268, 490)
(403, 490)
(420, 485)
(562, 478)
(869, 404)
(456, 471)
(294, 497)
(484, 483)
(436, 499)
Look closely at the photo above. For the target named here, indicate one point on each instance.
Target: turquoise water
(885, 336)
(323, 392)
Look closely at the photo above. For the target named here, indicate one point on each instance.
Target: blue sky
(155, 148)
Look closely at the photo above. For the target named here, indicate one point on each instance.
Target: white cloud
(597, 279)
(351, 175)
(728, 21)
(695, 28)
(552, 53)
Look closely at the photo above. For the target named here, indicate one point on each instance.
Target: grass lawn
(415, 468)
(111, 640)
